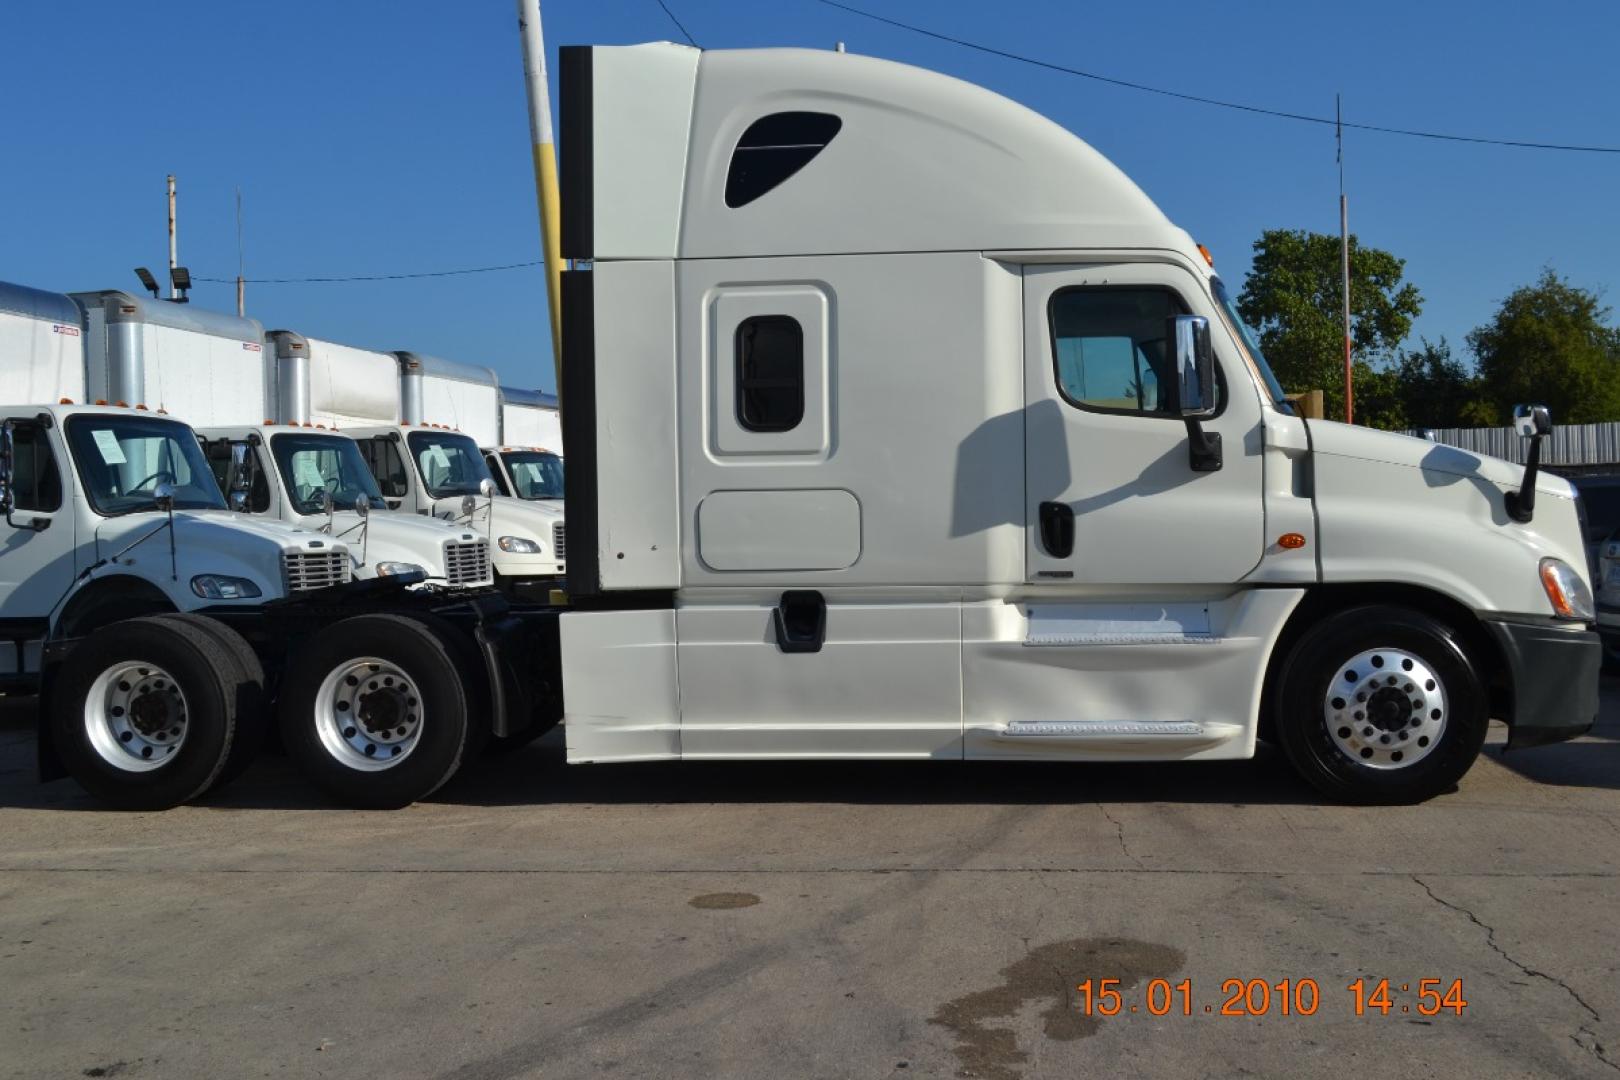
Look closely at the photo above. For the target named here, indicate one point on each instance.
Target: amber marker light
(1291, 541)
(1204, 251)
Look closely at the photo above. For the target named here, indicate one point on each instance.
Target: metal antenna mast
(1344, 261)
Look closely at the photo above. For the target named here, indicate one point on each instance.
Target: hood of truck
(513, 517)
(1392, 508)
(397, 536)
(209, 542)
(1391, 448)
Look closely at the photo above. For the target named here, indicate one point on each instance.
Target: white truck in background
(218, 373)
(417, 420)
(528, 462)
(161, 631)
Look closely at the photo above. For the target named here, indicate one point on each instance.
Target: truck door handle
(1057, 529)
(800, 621)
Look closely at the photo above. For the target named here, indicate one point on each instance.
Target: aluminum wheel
(1385, 708)
(135, 716)
(368, 714)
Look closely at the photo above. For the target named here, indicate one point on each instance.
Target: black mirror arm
(1521, 504)
(1203, 447)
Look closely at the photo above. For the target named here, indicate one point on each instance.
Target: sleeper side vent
(774, 148)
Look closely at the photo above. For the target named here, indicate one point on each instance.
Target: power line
(678, 25)
(373, 277)
(1279, 113)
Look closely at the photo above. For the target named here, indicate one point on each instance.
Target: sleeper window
(770, 373)
(1109, 348)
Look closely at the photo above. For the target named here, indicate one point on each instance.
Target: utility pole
(241, 282)
(1344, 263)
(174, 251)
(545, 170)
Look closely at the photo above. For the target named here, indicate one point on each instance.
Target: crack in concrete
(1589, 1042)
(1119, 829)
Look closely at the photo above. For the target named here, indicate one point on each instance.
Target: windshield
(122, 460)
(449, 464)
(1251, 344)
(330, 463)
(536, 474)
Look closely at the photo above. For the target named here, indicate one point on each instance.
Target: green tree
(1293, 298)
(1437, 390)
(1380, 397)
(1549, 344)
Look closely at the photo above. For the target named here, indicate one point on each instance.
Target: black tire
(252, 709)
(436, 717)
(1312, 685)
(194, 663)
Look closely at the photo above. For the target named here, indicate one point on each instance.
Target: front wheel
(1381, 704)
(375, 712)
(144, 713)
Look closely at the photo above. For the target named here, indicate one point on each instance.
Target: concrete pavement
(814, 920)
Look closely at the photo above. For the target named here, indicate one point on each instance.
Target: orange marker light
(1204, 251)
(1291, 541)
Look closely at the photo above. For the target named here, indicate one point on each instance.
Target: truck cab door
(1116, 493)
(36, 545)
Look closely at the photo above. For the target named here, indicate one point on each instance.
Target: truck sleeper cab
(441, 472)
(905, 425)
(317, 479)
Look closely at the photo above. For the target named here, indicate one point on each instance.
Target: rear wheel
(375, 711)
(144, 713)
(1381, 704)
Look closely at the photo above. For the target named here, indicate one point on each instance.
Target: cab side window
(36, 483)
(386, 465)
(1108, 348)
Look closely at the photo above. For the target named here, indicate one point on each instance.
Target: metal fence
(1569, 444)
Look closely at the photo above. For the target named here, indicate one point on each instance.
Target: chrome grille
(466, 563)
(307, 570)
(559, 540)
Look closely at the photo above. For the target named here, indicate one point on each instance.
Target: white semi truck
(417, 420)
(903, 425)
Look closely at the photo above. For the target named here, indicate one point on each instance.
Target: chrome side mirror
(1532, 421)
(469, 505)
(1192, 359)
(163, 496)
(323, 501)
(486, 488)
(362, 505)
(239, 500)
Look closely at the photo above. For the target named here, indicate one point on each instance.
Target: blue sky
(376, 138)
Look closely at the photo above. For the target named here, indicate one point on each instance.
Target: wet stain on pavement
(722, 901)
(1050, 973)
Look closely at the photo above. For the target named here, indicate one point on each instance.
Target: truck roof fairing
(917, 161)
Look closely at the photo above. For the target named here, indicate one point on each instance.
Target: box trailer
(530, 418)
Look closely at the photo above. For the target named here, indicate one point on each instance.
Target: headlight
(518, 545)
(1570, 597)
(221, 587)
(392, 569)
